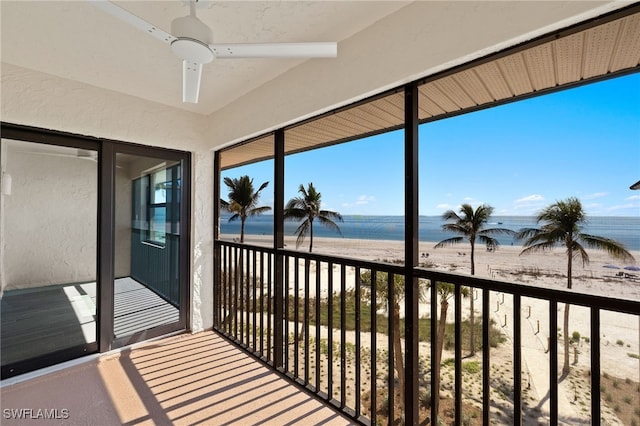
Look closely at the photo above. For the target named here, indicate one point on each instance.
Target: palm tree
(307, 208)
(562, 225)
(445, 292)
(470, 225)
(392, 306)
(243, 200)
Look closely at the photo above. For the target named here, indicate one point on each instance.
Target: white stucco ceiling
(77, 41)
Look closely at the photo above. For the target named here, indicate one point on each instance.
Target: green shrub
(471, 367)
(575, 337)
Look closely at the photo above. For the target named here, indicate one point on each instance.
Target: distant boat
(499, 223)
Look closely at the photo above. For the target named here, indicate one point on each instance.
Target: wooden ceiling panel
(610, 47)
(569, 53)
(541, 66)
(493, 80)
(627, 53)
(516, 74)
(454, 92)
(471, 83)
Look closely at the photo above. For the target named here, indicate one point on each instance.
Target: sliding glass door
(148, 201)
(94, 245)
(49, 228)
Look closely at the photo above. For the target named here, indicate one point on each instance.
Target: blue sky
(518, 158)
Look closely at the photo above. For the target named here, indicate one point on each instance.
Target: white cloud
(530, 198)
(633, 198)
(595, 195)
(365, 199)
(468, 198)
(443, 206)
(360, 201)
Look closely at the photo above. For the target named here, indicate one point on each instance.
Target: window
(154, 213)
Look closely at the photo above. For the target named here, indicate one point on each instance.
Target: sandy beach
(619, 333)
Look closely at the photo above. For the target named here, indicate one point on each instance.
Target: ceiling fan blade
(191, 74)
(131, 19)
(275, 50)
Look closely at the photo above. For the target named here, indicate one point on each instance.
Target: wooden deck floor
(38, 321)
(181, 380)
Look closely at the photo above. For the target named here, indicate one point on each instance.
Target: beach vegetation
(471, 224)
(562, 224)
(471, 367)
(243, 200)
(389, 293)
(306, 208)
(575, 337)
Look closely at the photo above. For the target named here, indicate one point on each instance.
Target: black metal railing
(341, 336)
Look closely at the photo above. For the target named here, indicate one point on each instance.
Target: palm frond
(612, 247)
(449, 242)
(578, 251)
(498, 231)
(541, 246)
(329, 224)
(301, 232)
(488, 241)
(258, 210)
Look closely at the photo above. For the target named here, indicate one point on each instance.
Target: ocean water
(625, 230)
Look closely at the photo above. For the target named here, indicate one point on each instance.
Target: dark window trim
(107, 149)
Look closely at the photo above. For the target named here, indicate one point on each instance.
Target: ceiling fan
(191, 41)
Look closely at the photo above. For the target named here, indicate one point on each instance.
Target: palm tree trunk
(472, 317)
(565, 364)
(242, 230)
(442, 323)
(310, 235)
(397, 352)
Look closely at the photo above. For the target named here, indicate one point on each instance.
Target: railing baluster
(486, 362)
(270, 349)
(595, 365)
(330, 331)
(457, 302)
(296, 315)
(248, 299)
(343, 336)
(262, 303)
(306, 320)
(254, 301)
(285, 337)
(237, 277)
(517, 360)
(391, 377)
(553, 362)
(318, 323)
(435, 379)
(374, 347)
(358, 343)
(236, 306)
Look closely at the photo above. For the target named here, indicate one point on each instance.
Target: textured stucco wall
(38, 99)
(50, 228)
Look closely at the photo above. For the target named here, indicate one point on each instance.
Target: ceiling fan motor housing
(192, 40)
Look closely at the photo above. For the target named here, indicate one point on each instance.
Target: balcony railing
(336, 326)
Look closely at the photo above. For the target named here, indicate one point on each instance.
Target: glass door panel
(147, 244)
(48, 254)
